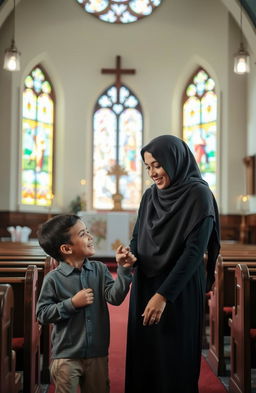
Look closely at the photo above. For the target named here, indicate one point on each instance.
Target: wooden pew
(16, 248)
(26, 258)
(237, 246)
(10, 380)
(26, 329)
(220, 308)
(43, 268)
(243, 330)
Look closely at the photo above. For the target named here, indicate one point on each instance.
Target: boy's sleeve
(116, 290)
(49, 308)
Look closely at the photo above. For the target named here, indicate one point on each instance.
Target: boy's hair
(55, 232)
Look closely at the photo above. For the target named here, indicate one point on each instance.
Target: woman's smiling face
(156, 171)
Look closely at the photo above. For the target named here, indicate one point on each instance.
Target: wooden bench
(236, 246)
(26, 258)
(43, 268)
(10, 380)
(16, 248)
(220, 308)
(243, 330)
(26, 330)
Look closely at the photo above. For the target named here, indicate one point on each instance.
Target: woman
(177, 223)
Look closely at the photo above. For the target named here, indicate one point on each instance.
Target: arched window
(37, 139)
(119, 11)
(117, 139)
(199, 123)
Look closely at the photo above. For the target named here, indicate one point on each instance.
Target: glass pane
(37, 140)
(119, 11)
(104, 157)
(209, 107)
(45, 108)
(29, 104)
(199, 124)
(118, 128)
(191, 112)
(130, 159)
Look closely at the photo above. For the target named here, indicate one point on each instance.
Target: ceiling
(250, 8)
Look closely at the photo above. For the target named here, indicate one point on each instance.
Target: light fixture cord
(14, 20)
(241, 25)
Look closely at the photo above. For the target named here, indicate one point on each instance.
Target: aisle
(208, 382)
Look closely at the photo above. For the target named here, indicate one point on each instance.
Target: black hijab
(167, 216)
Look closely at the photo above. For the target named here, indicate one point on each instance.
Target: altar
(109, 230)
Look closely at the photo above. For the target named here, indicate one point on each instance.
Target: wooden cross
(117, 171)
(118, 71)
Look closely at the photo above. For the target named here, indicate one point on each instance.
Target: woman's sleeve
(133, 242)
(189, 261)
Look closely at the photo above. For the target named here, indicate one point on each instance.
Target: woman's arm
(189, 261)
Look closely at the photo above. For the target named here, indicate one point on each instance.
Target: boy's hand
(83, 298)
(124, 257)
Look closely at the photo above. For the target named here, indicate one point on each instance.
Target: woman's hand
(124, 257)
(154, 310)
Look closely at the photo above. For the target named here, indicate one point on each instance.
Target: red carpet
(208, 383)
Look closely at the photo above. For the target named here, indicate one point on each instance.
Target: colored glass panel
(37, 140)
(29, 104)
(199, 124)
(104, 157)
(45, 108)
(129, 156)
(191, 112)
(117, 129)
(119, 11)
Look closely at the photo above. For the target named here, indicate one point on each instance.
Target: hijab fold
(168, 216)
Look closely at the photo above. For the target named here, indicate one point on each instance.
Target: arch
(37, 140)
(199, 122)
(45, 61)
(117, 140)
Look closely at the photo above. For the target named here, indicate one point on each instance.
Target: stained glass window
(199, 123)
(37, 139)
(117, 139)
(119, 11)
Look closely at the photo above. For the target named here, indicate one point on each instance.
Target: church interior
(97, 80)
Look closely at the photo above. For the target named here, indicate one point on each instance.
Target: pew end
(10, 380)
(243, 327)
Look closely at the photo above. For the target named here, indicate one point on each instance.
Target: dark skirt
(165, 358)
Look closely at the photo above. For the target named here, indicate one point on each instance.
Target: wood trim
(32, 220)
(230, 224)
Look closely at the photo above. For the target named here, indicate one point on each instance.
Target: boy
(74, 298)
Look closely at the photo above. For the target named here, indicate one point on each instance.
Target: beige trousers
(90, 374)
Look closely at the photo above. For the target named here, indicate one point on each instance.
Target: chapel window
(119, 11)
(38, 109)
(200, 123)
(117, 140)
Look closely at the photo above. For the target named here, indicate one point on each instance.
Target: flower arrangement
(78, 204)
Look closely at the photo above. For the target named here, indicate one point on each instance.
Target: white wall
(164, 48)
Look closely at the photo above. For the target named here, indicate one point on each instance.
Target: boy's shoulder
(64, 269)
(97, 265)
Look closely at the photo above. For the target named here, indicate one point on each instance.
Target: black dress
(165, 358)
(176, 225)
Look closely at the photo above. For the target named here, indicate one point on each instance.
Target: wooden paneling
(230, 224)
(32, 220)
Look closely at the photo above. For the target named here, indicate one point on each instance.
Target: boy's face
(81, 241)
